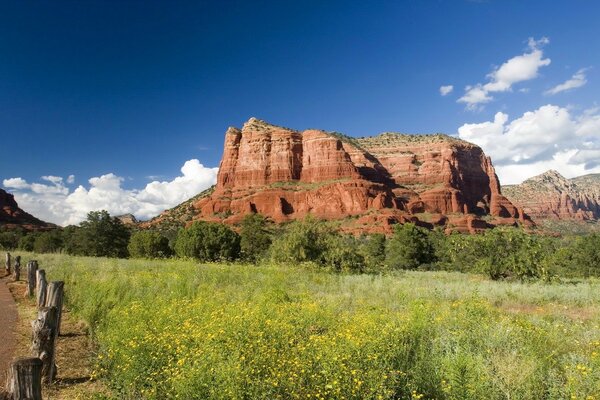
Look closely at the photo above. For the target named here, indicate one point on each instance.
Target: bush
(9, 238)
(373, 252)
(148, 244)
(48, 242)
(409, 247)
(27, 241)
(302, 241)
(208, 241)
(341, 254)
(511, 253)
(255, 237)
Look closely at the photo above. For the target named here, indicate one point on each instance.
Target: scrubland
(169, 329)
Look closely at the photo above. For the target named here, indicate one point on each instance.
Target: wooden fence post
(25, 379)
(45, 331)
(54, 298)
(17, 268)
(42, 285)
(7, 263)
(32, 267)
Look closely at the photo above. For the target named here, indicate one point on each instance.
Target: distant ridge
(552, 196)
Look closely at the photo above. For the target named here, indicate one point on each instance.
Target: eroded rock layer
(552, 196)
(372, 182)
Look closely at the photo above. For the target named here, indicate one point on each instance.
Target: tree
(208, 241)
(409, 247)
(585, 255)
(302, 241)
(255, 237)
(509, 252)
(26, 242)
(341, 254)
(373, 251)
(9, 238)
(100, 235)
(148, 244)
(48, 242)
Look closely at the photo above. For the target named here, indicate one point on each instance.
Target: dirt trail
(8, 324)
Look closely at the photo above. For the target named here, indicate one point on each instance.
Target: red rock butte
(369, 183)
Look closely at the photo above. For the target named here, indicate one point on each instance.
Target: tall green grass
(176, 329)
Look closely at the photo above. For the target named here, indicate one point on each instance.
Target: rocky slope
(552, 196)
(11, 216)
(370, 183)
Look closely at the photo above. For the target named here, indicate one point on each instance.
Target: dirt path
(8, 323)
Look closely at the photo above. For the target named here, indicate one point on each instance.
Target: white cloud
(55, 202)
(446, 90)
(550, 137)
(518, 69)
(576, 81)
(16, 183)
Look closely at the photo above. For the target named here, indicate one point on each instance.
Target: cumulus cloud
(518, 69)
(54, 201)
(576, 81)
(550, 137)
(446, 90)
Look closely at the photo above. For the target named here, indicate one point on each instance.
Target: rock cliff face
(373, 182)
(552, 196)
(12, 216)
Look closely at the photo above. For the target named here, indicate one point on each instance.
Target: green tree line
(500, 253)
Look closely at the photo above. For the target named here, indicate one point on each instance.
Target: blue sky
(120, 94)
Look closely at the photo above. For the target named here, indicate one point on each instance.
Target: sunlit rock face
(370, 183)
(552, 196)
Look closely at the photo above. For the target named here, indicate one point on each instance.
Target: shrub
(148, 244)
(409, 247)
(255, 237)
(302, 241)
(208, 241)
(508, 252)
(341, 254)
(48, 242)
(26, 242)
(373, 252)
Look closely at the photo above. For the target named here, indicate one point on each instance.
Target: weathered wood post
(7, 263)
(32, 267)
(25, 379)
(17, 268)
(42, 285)
(54, 298)
(45, 331)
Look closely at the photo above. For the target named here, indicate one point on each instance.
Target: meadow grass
(178, 329)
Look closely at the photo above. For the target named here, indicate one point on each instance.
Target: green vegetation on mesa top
(178, 329)
(392, 138)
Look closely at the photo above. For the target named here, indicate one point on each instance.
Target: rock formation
(127, 219)
(552, 196)
(370, 182)
(11, 216)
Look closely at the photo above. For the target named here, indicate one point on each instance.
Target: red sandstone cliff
(287, 174)
(12, 216)
(552, 196)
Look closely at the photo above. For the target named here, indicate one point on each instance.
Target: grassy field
(178, 330)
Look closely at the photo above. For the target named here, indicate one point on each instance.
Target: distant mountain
(552, 196)
(11, 216)
(367, 184)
